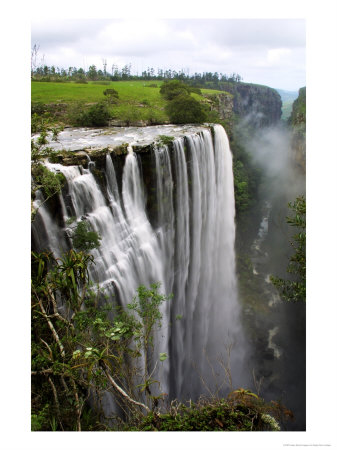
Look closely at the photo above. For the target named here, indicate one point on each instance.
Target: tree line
(43, 72)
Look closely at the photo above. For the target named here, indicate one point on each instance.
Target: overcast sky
(263, 51)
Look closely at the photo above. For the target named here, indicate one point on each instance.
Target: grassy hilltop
(136, 101)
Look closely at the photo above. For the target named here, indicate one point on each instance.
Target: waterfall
(188, 247)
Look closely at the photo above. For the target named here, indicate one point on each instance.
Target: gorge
(161, 199)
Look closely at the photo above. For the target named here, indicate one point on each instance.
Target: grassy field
(91, 92)
(129, 91)
(137, 99)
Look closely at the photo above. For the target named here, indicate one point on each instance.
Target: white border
(321, 194)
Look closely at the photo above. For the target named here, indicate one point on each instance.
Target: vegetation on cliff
(136, 103)
(298, 114)
(87, 347)
(297, 122)
(181, 107)
(294, 289)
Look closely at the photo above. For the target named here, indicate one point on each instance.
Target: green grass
(137, 101)
(73, 92)
(129, 91)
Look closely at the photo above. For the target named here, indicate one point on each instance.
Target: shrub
(210, 415)
(111, 95)
(185, 109)
(195, 90)
(84, 239)
(38, 108)
(171, 89)
(96, 116)
(49, 182)
(165, 140)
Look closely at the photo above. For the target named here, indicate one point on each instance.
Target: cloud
(263, 51)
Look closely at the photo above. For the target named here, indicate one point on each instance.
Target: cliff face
(259, 105)
(297, 121)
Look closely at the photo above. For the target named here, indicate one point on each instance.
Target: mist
(270, 149)
(278, 328)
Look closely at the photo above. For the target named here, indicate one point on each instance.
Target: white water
(190, 250)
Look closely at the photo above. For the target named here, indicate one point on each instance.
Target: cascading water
(188, 248)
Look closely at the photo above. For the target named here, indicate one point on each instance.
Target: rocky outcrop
(222, 104)
(259, 105)
(298, 122)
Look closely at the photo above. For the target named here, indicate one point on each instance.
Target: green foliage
(181, 107)
(165, 140)
(38, 109)
(147, 306)
(96, 116)
(40, 420)
(185, 109)
(67, 101)
(111, 94)
(247, 178)
(87, 348)
(49, 182)
(295, 289)
(85, 239)
(162, 356)
(129, 115)
(212, 415)
(155, 116)
(171, 89)
(298, 114)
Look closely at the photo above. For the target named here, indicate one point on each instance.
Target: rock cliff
(297, 121)
(259, 105)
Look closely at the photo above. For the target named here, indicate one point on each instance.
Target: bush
(165, 140)
(96, 116)
(84, 239)
(171, 89)
(185, 109)
(210, 415)
(195, 90)
(38, 108)
(111, 95)
(155, 116)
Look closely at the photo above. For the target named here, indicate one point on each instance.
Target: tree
(78, 350)
(294, 289)
(84, 239)
(171, 89)
(44, 180)
(92, 73)
(185, 109)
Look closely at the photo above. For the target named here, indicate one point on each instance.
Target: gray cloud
(265, 51)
